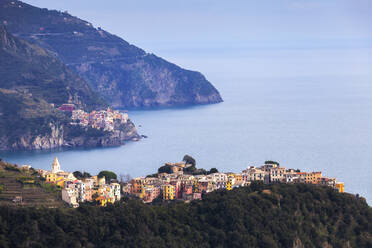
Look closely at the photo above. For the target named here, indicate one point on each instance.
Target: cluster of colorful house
(103, 119)
(177, 184)
(181, 186)
(87, 189)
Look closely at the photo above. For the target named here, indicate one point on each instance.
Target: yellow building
(51, 178)
(169, 192)
(340, 187)
(229, 184)
(104, 200)
(195, 186)
(55, 179)
(60, 182)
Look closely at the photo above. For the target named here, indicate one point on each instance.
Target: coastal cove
(314, 123)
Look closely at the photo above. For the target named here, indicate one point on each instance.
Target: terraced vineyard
(14, 192)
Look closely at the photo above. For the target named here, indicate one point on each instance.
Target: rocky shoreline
(58, 138)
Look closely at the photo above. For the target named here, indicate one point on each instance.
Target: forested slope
(257, 216)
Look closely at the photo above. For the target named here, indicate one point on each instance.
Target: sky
(154, 25)
(240, 37)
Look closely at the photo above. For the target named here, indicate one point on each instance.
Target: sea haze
(308, 108)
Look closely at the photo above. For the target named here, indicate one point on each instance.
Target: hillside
(16, 182)
(33, 83)
(33, 70)
(126, 76)
(258, 216)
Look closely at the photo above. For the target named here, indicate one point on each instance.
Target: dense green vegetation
(81, 175)
(256, 216)
(167, 168)
(22, 114)
(272, 162)
(108, 175)
(33, 83)
(36, 72)
(189, 160)
(78, 131)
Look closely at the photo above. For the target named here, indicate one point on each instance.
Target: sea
(308, 107)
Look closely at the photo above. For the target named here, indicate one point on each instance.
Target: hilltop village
(175, 181)
(73, 190)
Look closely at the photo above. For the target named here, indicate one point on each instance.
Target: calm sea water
(307, 109)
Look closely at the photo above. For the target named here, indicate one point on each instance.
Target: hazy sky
(154, 23)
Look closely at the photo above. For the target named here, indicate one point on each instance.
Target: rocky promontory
(123, 74)
(33, 84)
(62, 136)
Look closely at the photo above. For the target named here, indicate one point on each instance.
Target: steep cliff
(33, 70)
(126, 76)
(32, 84)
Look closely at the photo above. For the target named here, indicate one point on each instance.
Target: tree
(189, 160)
(109, 175)
(78, 174)
(165, 169)
(125, 178)
(272, 162)
(200, 172)
(257, 185)
(213, 170)
(81, 175)
(86, 175)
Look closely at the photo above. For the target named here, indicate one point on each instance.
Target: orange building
(340, 187)
(313, 177)
(138, 187)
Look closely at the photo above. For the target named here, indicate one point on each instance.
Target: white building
(55, 166)
(115, 188)
(69, 195)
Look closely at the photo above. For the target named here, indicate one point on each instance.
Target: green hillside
(33, 84)
(258, 216)
(32, 70)
(22, 114)
(27, 184)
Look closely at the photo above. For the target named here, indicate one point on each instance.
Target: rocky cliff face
(128, 132)
(58, 137)
(147, 81)
(126, 76)
(29, 141)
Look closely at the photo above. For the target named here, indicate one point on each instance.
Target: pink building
(151, 194)
(88, 194)
(196, 196)
(178, 188)
(67, 107)
(187, 188)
